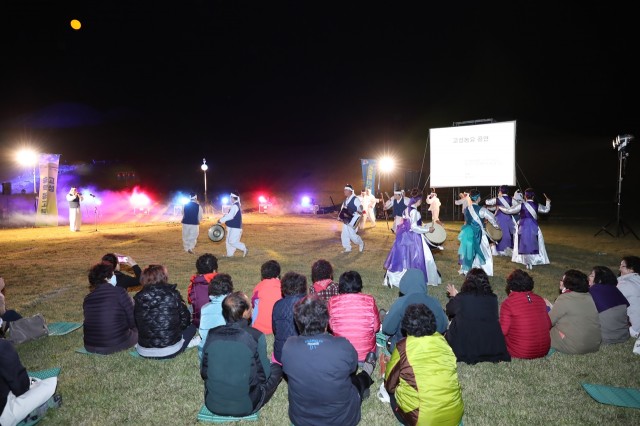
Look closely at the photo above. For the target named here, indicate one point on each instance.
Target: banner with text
(47, 214)
(369, 168)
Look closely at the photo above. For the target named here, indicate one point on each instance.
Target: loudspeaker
(6, 188)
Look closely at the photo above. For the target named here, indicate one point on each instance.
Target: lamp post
(204, 168)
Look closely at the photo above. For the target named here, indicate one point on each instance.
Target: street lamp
(204, 168)
(28, 157)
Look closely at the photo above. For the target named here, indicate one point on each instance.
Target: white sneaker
(195, 341)
(361, 247)
(383, 395)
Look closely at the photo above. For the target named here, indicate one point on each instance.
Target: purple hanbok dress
(529, 248)
(507, 225)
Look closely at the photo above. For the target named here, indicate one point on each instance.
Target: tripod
(621, 227)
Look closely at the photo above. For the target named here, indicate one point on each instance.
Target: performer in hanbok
(507, 222)
(350, 215)
(411, 249)
(369, 202)
(528, 243)
(475, 251)
(434, 205)
(398, 203)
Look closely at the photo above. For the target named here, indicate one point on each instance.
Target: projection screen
(473, 156)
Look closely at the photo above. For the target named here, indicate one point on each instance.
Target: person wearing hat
(352, 210)
(398, 203)
(233, 220)
(191, 217)
(75, 214)
(507, 222)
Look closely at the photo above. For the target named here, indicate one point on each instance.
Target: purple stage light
(305, 201)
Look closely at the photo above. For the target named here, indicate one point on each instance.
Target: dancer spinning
(410, 249)
(507, 222)
(528, 243)
(474, 250)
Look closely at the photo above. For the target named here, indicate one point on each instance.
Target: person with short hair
(350, 214)
(524, 319)
(574, 317)
(191, 218)
(611, 305)
(354, 315)
(421, 376)
(198, 289)
(474, 332)
(75, 212)
(233, 220)
(324, 388)
(629, 286)
(109, 325)
(238, 378)
(123, 280)
(398, 203)
(475, 251)
(211, 314)
(507, 222)
(162, 316)
(265, 294)
(322, 277)
(294, 288)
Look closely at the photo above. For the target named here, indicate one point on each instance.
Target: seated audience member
(123, 280)
(6, 315)
(629, 286)
(23, 400)
(421, 376)
(322, 277)
(413, 289)
(265, 294)
(324, 388)
(198, 290)
(238, 378)
(294, 288)
(109, 325)
(211, 314)
(611, 305)
(162, 316)
(524, 319)
(574, 317)
(474, 332)
(354, 315)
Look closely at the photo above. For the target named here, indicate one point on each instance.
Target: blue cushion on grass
(207, 416)
(62, 328)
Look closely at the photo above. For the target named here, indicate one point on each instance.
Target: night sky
(277, 93)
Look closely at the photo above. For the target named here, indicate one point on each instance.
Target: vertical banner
(369, 174)
(47, 214)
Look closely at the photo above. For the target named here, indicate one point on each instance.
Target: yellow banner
(47, 214)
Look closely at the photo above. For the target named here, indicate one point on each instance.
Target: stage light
(139, 200)
(262, 199)
(204, 168)
(305, 201)
(75, 24)
(183, 200)
(387, 164)
(225, 201)
(28, 157)
(621, 142)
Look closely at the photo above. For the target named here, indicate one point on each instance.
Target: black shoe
(369, 365)
(365, 394)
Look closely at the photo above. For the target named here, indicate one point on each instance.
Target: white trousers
(233, 241)
(348, 235)
(190, 236)
(19, 407)
(75, 218)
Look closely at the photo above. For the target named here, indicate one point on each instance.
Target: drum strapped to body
(216, 233)
(494, 234)
(345, 216)
(438, 236)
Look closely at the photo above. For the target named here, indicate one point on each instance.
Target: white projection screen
(473, 156)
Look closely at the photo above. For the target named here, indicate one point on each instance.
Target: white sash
(504, 202)
(531, 210)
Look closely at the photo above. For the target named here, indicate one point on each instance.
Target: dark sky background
(278, 93)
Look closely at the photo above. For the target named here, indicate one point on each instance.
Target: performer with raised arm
(410, 250)
(507, 223)
(474, 250)
(434, 205)
(398, 203)
(75, 214)
(350, 214)
(369, 202)
(528, 243)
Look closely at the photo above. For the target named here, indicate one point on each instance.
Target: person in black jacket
(294, 288)
(109, 325)
(123, 280)
(162, 316)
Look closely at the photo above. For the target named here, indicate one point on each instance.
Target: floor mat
(86, 352)
(61, 328)
(621, 397)
(207, 416)
(44, 374)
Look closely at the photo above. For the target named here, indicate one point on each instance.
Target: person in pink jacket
(354, 315)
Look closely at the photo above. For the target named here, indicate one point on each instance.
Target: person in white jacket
(629, 286)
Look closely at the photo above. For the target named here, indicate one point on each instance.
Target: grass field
(46, 271)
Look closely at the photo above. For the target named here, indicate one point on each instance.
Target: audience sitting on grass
(474, 332)
(524, 319)
(611, 305)
(238, 378)
(629, 285)
(574, 317)
(211, 313)
(198, 290)
(123, 280)
(413, 289)
(265, 294)
(109, 325)
(324, 388)
(6, 315)
(322, 277)
(421, 376)
(354, 315)
(162, 316)
(294, 288)
(24, 400)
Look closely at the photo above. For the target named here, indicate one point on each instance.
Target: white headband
(348, 188)
(397, 192)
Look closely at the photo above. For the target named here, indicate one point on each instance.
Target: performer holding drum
(504, 246)
(411, 249)
(350, 214)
